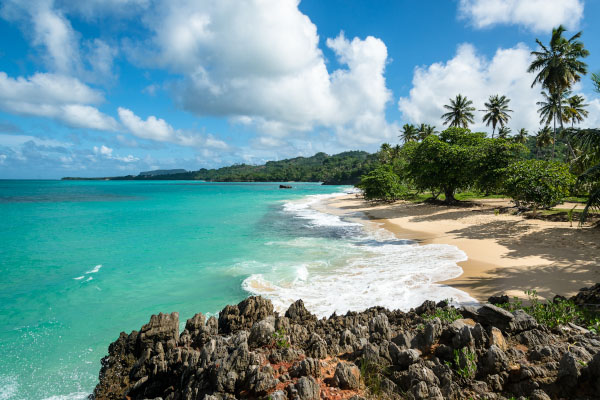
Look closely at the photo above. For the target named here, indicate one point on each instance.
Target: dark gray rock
(403, 358)
(262, 332)
(495, 360)
(307, 388)
(298, 313)
(499, 299)
(522, 322)
(379, 328)
(490, 315)
(163, 328)
(307, 367)
(426, 307)
(244, 315)
(347, 376)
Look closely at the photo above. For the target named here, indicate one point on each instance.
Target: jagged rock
(490, 315)
(497, 338)
(244, 315)
(162, 328)
(307, 388)
(403, 358)
(569, 370)
(499, 299)
(420, 373)
(379, 328)
(307, 367)
(588, 296)
(262, 332)
(539, 394)
(522, 322)
(495, 360)
(317, 347)
(298, 313)
(594, 371)
(426, 307)
(347, 376)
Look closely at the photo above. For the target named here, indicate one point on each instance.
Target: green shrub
(382, 184)
(464, 363)
(445, 315)
(538, 184)
(280, 339)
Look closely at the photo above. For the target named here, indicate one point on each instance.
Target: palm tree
(385, 153)
(521, 137)
(543, 139)
(558, 65)
(409, 133)
(596, 81)
(460, 112)
(425, 130)
(575, 111)
(551, 109)
(496, 112)
(504, 132)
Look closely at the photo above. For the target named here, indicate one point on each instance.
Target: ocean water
(81, 261)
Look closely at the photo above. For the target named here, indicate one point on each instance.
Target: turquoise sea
(81, 261)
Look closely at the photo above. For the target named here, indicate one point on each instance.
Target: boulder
(262, 332)
(244, 315)
(298, 313)
(499, 299)
(379, 328)
(307, 367)
(307, 388)
(347, 376)
(490, 315)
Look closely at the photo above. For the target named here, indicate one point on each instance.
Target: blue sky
(115, 87)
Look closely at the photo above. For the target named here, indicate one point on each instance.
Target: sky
(114, 87)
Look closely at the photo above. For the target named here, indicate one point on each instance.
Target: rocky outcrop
(252, 352)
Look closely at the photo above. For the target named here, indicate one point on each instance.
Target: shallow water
(81, 261)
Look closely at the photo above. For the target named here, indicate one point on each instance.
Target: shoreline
(506, 253)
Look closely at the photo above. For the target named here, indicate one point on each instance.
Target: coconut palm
(521, 136)
(575, 111)
(410, 133)
(558, 65)
(588, 140)
(496, 112)
(503, 132)
(460, 112)
(551, 109)
(425, 130)
(596, 81)
(385, 153)
(543, 138)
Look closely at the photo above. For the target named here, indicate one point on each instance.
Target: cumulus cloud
(107, 152)
(59, 97)
(61, 47)
(476, 77)
(536, 15)
(159, 130)
(259, 63)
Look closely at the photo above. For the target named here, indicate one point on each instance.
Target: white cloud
(260, 63)
(103, 150)
(49, 29)
(476, 77)
(54, 96)
(159, 130)
(536, 15)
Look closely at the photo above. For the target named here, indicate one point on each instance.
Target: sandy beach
(507, 253)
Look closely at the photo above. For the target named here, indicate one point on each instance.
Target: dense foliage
(344, 168)
(538, 184)
(459, 159)
(382, 184)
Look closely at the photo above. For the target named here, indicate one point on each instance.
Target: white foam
(70, 396)
(304, 209)
(89, 279)
(374, 269)
(8, 387)
(95, 269)
(79, 278)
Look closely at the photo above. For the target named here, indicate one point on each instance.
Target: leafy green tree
(521, 136)
(410, 133)
(504, 132)
(445, 162)
(492, 157)
(538, 184)
(496, 112)
(552, 109)
(460, 112)
(382, 184)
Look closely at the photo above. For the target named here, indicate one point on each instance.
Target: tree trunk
(449, 193)
(554, 141)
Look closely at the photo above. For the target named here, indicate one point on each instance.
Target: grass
(371, 374)
(556, 313)
(464, 363)
(448, 315)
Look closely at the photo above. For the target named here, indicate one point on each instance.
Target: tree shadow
(556, 244)
(547, 280)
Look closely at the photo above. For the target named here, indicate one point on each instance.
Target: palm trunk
(554, 141)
